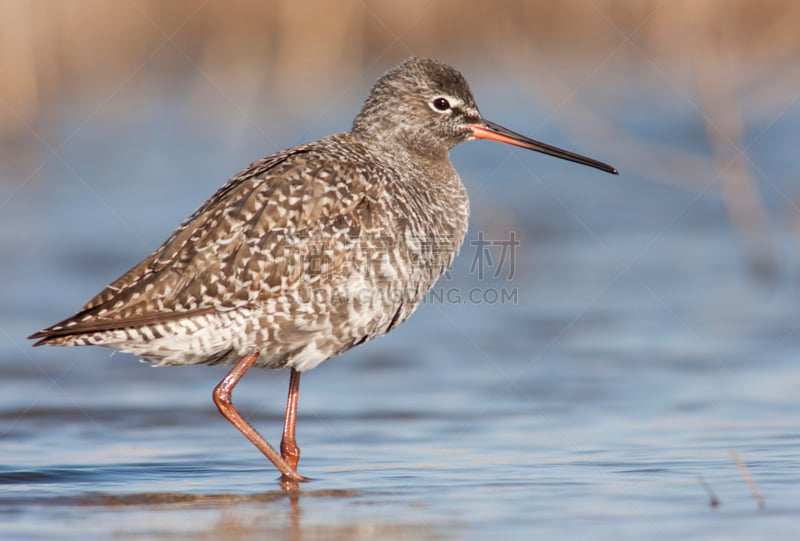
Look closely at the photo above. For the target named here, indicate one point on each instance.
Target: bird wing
(257, 236)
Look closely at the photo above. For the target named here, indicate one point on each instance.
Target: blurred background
(654, 323)
(719, 79)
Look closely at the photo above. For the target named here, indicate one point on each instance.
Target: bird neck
(405, 146)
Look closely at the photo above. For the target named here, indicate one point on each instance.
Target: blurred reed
(49, 49)
(723, 56)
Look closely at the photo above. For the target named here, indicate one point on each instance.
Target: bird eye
(441, 104)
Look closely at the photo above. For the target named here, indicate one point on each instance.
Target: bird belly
(323, 322)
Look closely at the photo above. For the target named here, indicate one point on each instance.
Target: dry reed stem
(745, 471)
(713, 501)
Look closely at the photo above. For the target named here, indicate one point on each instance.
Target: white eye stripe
(444, 103)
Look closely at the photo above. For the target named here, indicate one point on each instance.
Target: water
(631, 353)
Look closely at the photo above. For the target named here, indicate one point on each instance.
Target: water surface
(631, 354)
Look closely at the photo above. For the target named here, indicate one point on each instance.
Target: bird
(309, 252)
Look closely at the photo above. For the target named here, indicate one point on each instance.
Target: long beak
(489, 130)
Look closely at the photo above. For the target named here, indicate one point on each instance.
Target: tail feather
(81, 326)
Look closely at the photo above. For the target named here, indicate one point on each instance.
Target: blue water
(581, 392)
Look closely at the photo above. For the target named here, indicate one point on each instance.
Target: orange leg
(289, 449)
(222, 398)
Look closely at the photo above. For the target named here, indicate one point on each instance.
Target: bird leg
(222, 398)
(289, 449)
